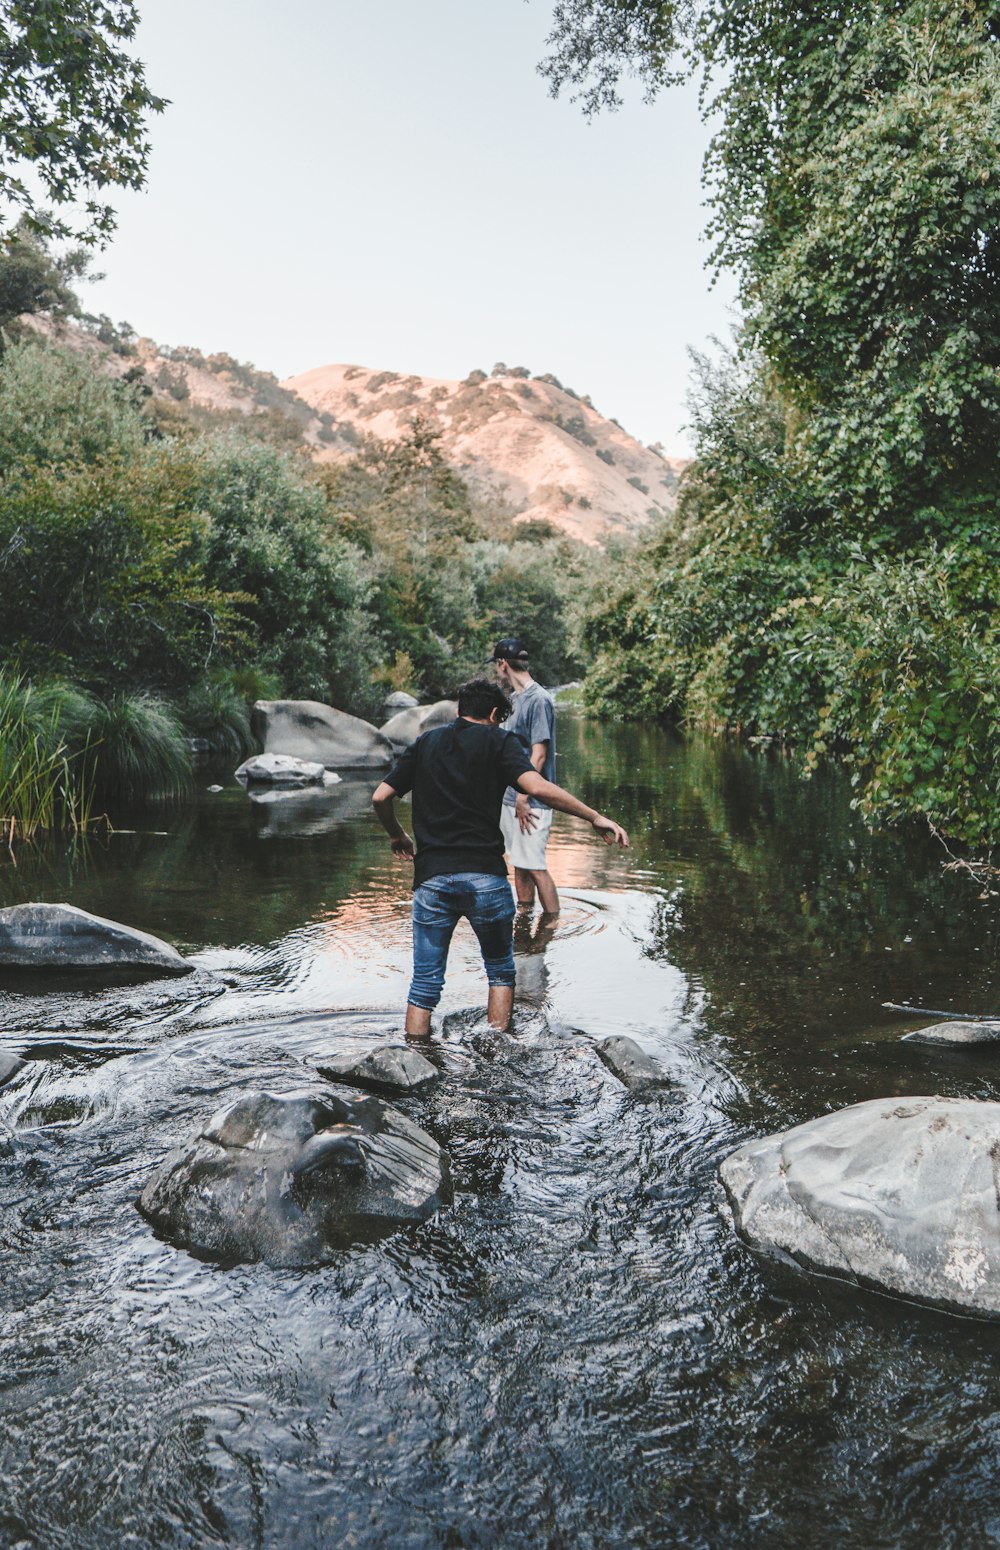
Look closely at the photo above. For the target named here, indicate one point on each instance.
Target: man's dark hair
(479, 697)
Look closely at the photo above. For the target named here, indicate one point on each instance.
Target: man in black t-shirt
(458, 775)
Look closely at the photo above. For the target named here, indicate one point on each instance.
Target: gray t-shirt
(533, 720)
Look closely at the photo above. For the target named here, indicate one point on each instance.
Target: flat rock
(954, 1032)
(281, 769)
(630, 1064)
(405, 727)
(292, 1178)
(899, 1195)
(307, 729)
(10, 1065)
(60, 936)
(390, 1068)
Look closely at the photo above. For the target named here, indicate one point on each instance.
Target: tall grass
(44, 782)
(62, 751)
(218, 709)
(140, 750)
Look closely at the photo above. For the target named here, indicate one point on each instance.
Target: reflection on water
(577, 1352)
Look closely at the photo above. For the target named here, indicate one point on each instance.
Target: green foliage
(831, 576)
(140, 749)
(58, 412)
(304, 591)
(217, 709)
(72, 109)
(33, 280)
(101, 576)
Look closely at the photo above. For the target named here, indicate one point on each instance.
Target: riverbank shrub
(139, 749)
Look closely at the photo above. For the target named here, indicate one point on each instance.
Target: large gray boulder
(392, 1068)
(308, 730)
(406, 726)
(902, 1195)
(60, 936)
(399, 700)
(291, 1178)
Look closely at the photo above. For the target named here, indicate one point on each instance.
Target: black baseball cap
(510, 649)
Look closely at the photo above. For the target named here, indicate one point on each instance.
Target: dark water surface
(578, 1352)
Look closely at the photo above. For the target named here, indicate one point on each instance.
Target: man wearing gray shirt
(524, 820)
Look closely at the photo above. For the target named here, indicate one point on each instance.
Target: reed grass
(44, 782)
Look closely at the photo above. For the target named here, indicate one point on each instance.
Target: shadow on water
(577, 1352)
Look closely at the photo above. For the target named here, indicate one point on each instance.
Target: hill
(537, 446)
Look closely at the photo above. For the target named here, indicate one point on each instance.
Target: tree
(73, 105)
(33, 280)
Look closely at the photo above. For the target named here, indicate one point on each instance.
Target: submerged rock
(280, 769)
(630, 1064)
(290, 1178)
(899, 1195)
(60, 936)
(10, 1065)
(390, 1068)
(954, 1032)
(307, 729)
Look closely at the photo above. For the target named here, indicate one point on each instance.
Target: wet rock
(898, 1195)
(60, 936)
(306, 729)
(281, 769)
(406, 727)
(390, 1068)
(290, 1178)
(630, 1064)
(10, 1065)
(954, 1032)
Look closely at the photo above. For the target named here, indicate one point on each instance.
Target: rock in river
(390, 1068)
(899, 1195)
(307, 729)
(281, 769)
(60, 936)
(955, 1032)
(630, 1064)
(289, 1178)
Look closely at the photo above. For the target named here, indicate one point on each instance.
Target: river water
(578, 1352)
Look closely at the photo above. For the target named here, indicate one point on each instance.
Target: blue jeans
(438, 905)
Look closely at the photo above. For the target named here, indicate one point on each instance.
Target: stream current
(577, 1352)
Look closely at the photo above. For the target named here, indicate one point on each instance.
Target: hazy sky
(390, 184)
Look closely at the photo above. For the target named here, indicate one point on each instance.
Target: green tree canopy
(73, 106)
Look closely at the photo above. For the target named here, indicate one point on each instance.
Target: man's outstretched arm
(383, 798)
(564, 802)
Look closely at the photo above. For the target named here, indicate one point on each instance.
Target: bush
(139, 749)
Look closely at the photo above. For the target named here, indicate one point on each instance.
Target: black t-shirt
(458, 775)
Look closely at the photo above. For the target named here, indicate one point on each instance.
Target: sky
(390, 184)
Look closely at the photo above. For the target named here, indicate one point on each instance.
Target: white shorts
(526, 850)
